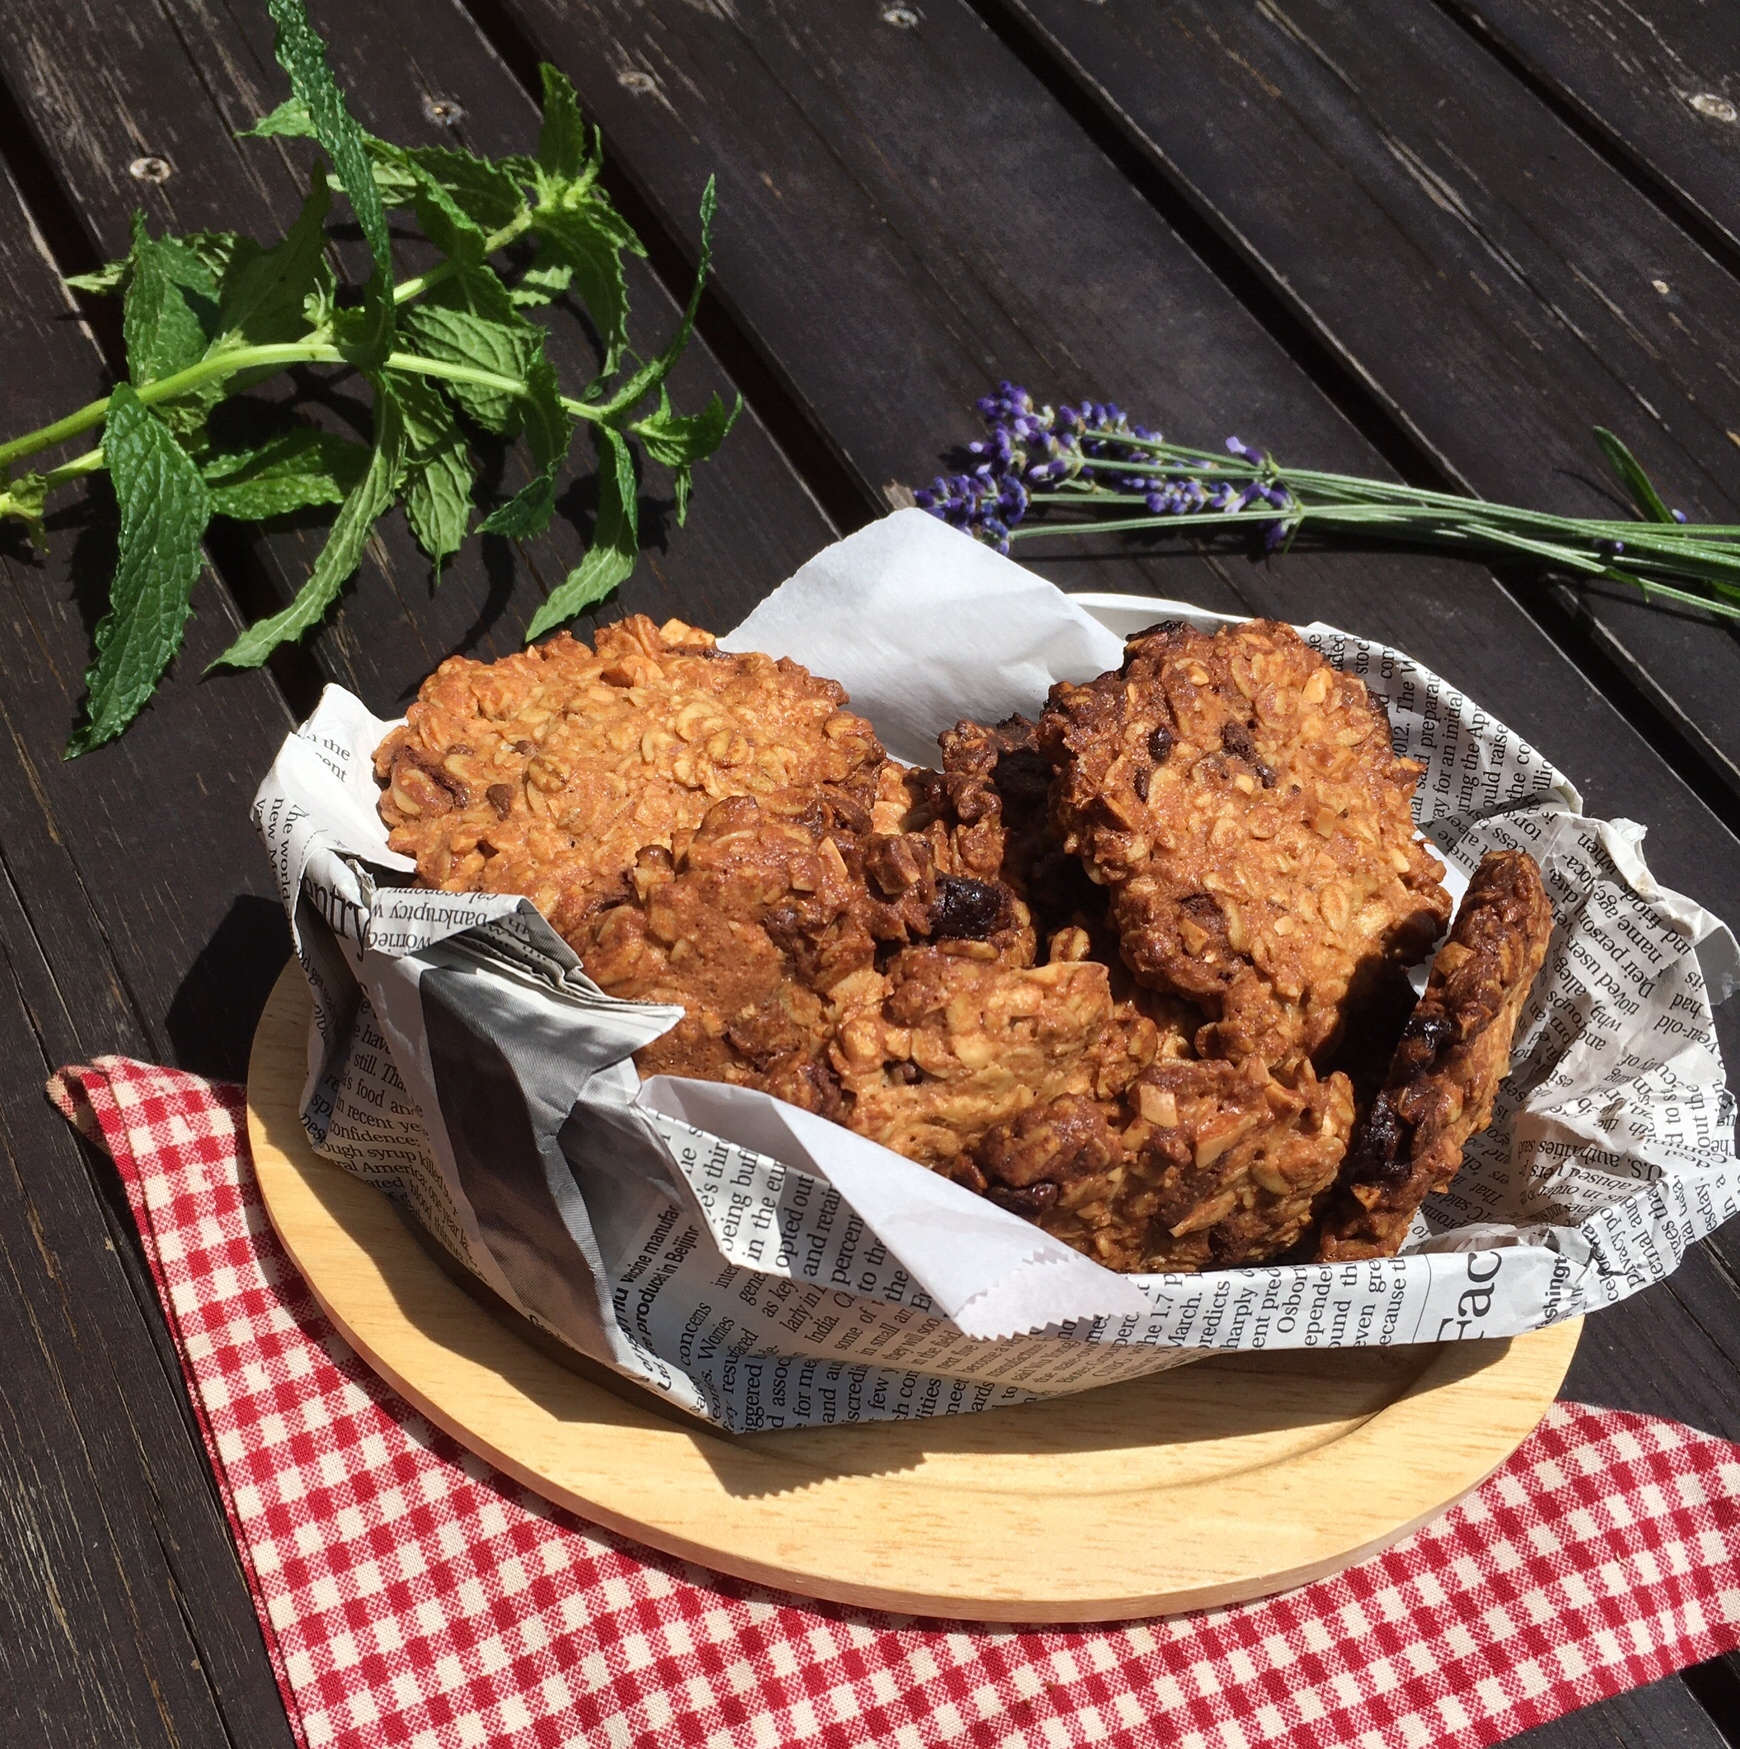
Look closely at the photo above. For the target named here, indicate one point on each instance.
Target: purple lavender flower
(1028, 448)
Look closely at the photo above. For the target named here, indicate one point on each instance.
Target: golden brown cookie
(546, 772)
(1240, 801)
(952, 1039)
(1204, 1164)
(1455, 1051)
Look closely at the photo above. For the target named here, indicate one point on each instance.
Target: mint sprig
(450, 354)
(164, 510)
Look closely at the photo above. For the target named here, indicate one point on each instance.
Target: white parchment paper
(763, 1267)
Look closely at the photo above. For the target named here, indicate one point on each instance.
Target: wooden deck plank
(1662, 1715)
(128, 1618)
(1509, 289)
(1657, 80)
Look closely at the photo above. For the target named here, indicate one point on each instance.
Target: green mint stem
(93, 461)
(247, 358)
(415, 287)
(269, 360)
(281, 356)
(455, 373)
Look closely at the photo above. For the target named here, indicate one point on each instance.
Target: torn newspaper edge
(763, 1268)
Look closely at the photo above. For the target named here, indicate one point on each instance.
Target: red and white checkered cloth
(409, 1594)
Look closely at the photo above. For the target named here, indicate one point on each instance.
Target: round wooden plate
(1219, 1481)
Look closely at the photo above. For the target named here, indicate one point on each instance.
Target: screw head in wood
(901, 17)
(1716, 108)
(151, 169)
(443, 111)
(637, 82)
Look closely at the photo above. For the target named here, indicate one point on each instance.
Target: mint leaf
(549, 432)
(581, 235)
(675, 439)
(290, 119)
(679, 440)
(527, 513)
(475, 290)
(549, 425)
(219, 250)
(438, 501)
(445, 223)
(302, 468)
(653, 373)
(438, 471)
(265, 291)
(584, 244)
(543, 281)
(1637, 483)
(164, 509)
(302, 55)
(168, 319)
(172, 307)
(565, 146)
(394, 179)
(368, 499)
(615, 539)
(106, 279)
(486, 193)
(469, 319)
(26, 498)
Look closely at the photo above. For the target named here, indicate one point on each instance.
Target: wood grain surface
(907, 213)
(1265, 1470)
(1657, 82)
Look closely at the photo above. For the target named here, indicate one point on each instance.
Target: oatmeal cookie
(1241, 802)
(547, 772)
(720, 930)
(1455, 1050)
(953, 1039)
(767, 928)
(986, 813)
(1204, 1164)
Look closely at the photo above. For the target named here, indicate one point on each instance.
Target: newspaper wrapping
(761, 1267)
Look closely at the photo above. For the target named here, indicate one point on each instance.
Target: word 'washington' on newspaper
(761, 1267)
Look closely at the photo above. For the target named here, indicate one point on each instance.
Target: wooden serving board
(1219, 1481)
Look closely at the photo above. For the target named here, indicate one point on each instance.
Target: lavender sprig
(1087, 469)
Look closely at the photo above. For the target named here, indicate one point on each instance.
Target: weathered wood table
(1440, 240)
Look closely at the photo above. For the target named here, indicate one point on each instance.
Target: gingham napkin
(409, 1594)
